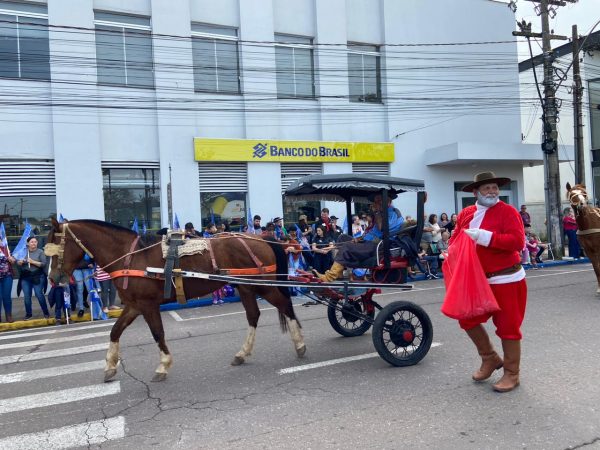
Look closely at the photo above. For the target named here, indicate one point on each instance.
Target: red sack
(468, 293)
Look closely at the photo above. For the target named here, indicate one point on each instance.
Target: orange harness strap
(143, 274)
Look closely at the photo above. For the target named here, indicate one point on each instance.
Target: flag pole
(170, 200)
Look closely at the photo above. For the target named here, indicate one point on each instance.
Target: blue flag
(61, 219)
(3, 235)
(176, 223)
(144, 229)
(20, 251)
(95, 300)
(135, 226)
(250, 221)
(212, 216)
(345, 226)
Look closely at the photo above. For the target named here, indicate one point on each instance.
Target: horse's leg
(248, 298)
(594, 256)
(154, 321)
(112, 355)
(287, 317)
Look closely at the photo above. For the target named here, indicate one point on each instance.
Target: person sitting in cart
(358, 252)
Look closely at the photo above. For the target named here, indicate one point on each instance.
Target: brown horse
(588, 224)
(68, 242)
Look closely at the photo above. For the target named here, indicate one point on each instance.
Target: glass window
(223, 208)
(130, 193)
(37, 210)
(124, 52)
(594, 90)
(364, 73)
(216, 59)
(292, 209)
(295, 68)
(24, 47)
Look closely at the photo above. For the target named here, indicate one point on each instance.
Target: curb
(201, 302)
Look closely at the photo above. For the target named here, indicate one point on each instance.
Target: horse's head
(64, 250)
(577, 196)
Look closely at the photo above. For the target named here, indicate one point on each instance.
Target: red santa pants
(512, 299)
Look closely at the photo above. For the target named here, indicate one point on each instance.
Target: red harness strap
(124, 273)
(127, 261)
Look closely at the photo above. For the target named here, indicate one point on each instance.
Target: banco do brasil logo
(260, 150)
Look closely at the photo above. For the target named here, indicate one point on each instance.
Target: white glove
(481, 237)
(473, 233)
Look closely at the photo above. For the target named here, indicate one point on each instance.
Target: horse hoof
(237, 361)
(159, 377)
(109, 374)
(301, 351)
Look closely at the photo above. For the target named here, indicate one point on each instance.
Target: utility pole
(552, 188)
(170, 200)
(577, 112)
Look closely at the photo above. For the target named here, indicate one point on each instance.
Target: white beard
(487, 200)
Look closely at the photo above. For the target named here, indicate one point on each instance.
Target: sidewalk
(38, 320)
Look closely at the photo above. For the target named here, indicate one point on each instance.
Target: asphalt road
(52, 395)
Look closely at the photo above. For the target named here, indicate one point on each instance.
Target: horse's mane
(144, 242)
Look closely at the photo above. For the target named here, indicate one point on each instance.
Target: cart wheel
(351, 319)
(402, 333)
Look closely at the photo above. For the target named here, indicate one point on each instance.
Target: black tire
(349, 321)
(402, 333)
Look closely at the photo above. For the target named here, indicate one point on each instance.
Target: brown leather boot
(332, 274)
(9, 318)
(512, 361)
(490, 360)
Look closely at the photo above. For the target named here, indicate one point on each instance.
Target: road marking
(180, 319)
(69, 328)
(77, 337)
(31, 375)
(52, 353)
(332, 362)
(58, 397)
(80, 435)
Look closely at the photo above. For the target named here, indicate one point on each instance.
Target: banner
(266, 150)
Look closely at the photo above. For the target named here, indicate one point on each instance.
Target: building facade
(103, 103)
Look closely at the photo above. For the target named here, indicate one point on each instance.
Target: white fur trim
(484, 238)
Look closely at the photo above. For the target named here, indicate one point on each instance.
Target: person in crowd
(357, 228)
(6, 281)
(531, 244)
(324, 221)
(83, 271)
(570, 228)
(442, 244)
(452, 224)
(210, 230)
(269, 230)
(428, 264)
(305, 240)
(352, 254)
(108, 292)
(226, 226)
(190, 231)
(321, 247)
(256, 227)
(217, 297)
(334, 229)
(443, 220)
(294, 251)
(363, 220)
(221, 228)
(535, 241)
(280, 231)
(427, 236)
(305, 228)
(497, 230)
(246, 229)
(436, 234)
(32, 270)
(525, 217)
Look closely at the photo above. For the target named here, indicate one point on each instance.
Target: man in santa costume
(497, 229)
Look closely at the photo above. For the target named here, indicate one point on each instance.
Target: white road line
(30, 375)
(77, 337)
(175, 316)
(52, 353)
(332, 362)
(54, 330)
(80, 435)
(58, 397)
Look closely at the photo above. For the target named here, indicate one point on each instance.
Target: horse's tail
(281, 261)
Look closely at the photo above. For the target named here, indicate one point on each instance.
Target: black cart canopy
(341, 187)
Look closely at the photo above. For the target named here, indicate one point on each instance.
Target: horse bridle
(51, 249)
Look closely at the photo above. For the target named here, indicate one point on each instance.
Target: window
(216, 59)
(295, 69)
(131, 192)
(124, 50)
(293, 207)
(594, 90)
(24, 45)
(223, 188)
(364, 73)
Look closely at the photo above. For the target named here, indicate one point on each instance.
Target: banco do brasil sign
(257, 150)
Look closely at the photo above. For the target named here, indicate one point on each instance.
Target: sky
(584, 14)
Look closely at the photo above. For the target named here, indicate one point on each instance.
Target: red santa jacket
(508, 236)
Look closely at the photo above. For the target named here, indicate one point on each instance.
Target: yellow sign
(259, 150)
